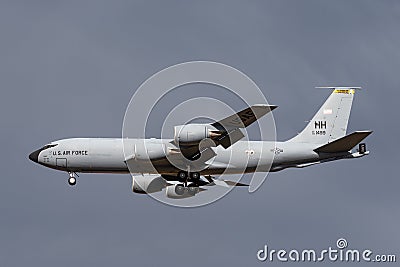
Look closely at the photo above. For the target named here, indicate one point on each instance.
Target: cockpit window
(48, 146)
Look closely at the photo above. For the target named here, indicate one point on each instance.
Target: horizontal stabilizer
(345, 143)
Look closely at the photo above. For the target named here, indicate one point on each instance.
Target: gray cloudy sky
(69, 68)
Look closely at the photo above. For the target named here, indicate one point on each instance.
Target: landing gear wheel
(195, 175)
(193, 190)
(72, 181)
(182, 176)
(179, 189)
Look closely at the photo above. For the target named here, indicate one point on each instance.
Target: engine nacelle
(148, 183)
(179, 191)
(193, 133)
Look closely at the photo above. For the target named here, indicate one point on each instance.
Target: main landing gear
(72, 179)
(191, 190)
(186, 177)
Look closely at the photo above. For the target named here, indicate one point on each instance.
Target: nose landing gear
(72, 179)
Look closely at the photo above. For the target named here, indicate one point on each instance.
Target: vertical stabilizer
(330, 122)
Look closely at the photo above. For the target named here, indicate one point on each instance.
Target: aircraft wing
(227, 132)
(243, 118)
(225, 183)
(230, 126)
(207, 181)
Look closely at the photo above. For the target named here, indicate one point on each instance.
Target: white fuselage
(109, 155)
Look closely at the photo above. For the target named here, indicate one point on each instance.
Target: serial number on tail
(318, 132)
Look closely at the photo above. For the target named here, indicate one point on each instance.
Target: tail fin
(330, 122)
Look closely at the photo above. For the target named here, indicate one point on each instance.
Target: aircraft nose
(34, 156)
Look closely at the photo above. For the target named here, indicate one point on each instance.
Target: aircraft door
(61, 162)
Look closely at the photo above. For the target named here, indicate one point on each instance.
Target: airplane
(187, 164)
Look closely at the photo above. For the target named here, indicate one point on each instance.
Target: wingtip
(339, 87)
(365, 131)
(271, 107)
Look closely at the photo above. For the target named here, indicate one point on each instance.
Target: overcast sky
(68, 69)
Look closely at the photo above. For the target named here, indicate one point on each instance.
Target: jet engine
(191, 134)
(148, 183)
(178, 191)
